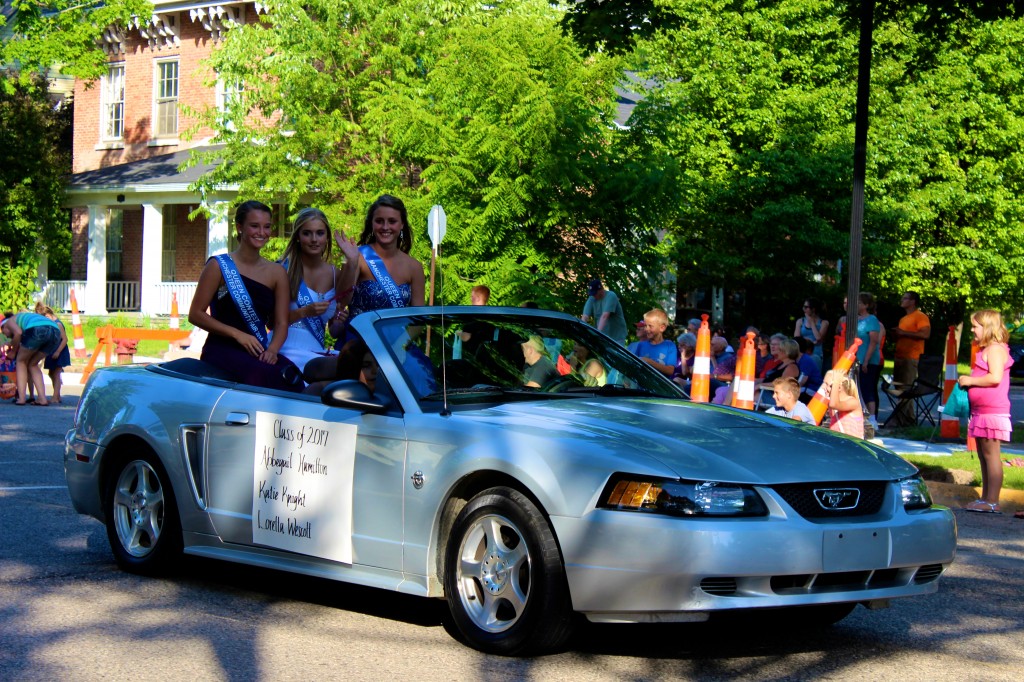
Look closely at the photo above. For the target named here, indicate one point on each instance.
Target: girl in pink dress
(847, 415)
(988, 388)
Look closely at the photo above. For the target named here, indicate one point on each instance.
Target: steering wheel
(562, 384)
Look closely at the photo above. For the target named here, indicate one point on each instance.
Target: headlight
(915, 493)
(681, 498)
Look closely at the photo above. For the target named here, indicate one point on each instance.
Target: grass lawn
(1013, 477)
(153, 349)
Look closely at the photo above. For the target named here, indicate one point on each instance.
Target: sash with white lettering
(315, 325)
(380, 273)
(240, 295)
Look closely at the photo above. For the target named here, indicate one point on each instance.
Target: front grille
(720, 587)
(928, 573)
(819, 583)
(800, 496)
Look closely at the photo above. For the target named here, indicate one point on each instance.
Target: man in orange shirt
(910, 335)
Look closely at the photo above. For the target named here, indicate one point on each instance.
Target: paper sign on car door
(302, 485)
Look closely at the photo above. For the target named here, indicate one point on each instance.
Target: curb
(958, 496)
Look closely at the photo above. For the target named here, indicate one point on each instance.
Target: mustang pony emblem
(837, 498)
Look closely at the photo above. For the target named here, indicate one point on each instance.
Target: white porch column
(43, 276)
(95, 302)
(152, 258)
(217, 229)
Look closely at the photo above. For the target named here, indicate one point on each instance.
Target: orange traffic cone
(700, 386)
(819, 403)
(837, 345)
(950, 426)
(76, 327)
(174, 310)
(743, 382)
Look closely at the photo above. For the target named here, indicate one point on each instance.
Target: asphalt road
(67, 613)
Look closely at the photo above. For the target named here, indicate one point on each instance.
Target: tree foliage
(490, 112)
(753, 104)
(33, 170)
(62, 34)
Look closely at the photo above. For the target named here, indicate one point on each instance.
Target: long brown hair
(388, 201)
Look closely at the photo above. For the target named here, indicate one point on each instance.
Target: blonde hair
(787, 384)
(992, 328)
(842, 378)
(656, 315)
(790, 347)
(292, 254)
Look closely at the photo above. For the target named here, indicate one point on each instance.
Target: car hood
(696, 441)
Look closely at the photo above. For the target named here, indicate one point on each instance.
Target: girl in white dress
(317, 288)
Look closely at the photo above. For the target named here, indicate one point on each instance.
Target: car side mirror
(352, 395)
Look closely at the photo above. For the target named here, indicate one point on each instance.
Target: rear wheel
(142, 520)
(504, 579)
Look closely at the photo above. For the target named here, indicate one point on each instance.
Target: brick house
(133, 243)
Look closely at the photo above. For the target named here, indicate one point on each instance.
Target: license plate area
(860, 549)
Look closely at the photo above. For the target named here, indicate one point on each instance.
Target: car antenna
(437, 225)
(445, 412)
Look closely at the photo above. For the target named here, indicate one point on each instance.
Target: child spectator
(786, 392)
(846, 413)
(988, 386)
(56, 362)
(656, 350)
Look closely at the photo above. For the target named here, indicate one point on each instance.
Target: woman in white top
(317, 288)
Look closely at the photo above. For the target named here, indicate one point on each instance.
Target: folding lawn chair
(922, 395)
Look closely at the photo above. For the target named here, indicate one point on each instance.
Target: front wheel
(504, 578)
(142, 520)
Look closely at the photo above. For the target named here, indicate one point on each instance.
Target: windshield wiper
(486, 389)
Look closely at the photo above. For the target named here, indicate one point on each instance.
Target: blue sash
(380, 273)
(304, 298)
(240, 295)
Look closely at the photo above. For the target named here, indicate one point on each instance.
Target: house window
(170, 246)
(115, 231)
(167, 98)
(112, 103)
(228, 92)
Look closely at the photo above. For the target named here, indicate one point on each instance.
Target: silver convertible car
(517, 463)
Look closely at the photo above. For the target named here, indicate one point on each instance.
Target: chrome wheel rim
(138, 508)
(494, 573)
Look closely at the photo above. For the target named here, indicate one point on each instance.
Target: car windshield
(487, 357)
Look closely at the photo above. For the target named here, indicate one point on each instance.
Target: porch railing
(122, 296)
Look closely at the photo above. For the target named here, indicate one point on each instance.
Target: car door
(293, 474)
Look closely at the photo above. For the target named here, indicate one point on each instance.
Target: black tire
(504, 577)
(142, 518)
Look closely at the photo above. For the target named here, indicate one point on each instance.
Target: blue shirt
(665, 352)
(864, 328)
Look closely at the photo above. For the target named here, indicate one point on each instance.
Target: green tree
(33, 171)
(753, 105)
(753, 108)
(948, 167)
(61, 34)
(491, 113)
